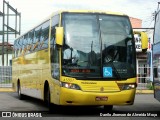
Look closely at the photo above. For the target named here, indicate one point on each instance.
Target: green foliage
(150, 86)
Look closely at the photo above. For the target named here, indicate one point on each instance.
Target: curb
(6, 90)
(145, 91)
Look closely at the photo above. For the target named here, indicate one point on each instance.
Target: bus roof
(90, 11)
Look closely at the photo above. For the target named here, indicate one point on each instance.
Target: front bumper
(78, 97)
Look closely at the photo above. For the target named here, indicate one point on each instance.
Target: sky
(35, 11)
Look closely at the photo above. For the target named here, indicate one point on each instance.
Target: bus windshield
(97, 46)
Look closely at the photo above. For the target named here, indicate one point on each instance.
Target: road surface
(145, 107)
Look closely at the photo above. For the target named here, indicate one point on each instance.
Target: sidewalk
(137, 91)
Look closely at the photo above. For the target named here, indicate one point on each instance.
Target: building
(135, 22)
(144, 60)
(144, 66)
(7, 54)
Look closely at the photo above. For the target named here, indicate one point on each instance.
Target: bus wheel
(21, 96)
(108, 108)
(47, 99)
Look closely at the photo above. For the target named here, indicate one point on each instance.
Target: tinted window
(15, 48)
(31, 38)
(93, 42)
(55, 21)
(45, 35)
(55, 72)
(37, 37)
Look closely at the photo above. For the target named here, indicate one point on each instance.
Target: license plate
(101, 98)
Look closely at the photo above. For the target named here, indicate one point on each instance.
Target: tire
(108, 108)
(47, 100)
(20, 96)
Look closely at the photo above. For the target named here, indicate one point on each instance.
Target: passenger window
(55, 21)
(31, 38)
(25, 42)
(38, 33)
(18, 47)
(21, 46)
(15, 48)
(45, 35)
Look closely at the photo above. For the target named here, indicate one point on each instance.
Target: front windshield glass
(97, 46)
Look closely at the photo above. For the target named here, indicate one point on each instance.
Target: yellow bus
(78, 58)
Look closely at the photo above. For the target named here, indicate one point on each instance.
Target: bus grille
(92, 88)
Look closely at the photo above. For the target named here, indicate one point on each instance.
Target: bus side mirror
(144, 40)
(59, 35)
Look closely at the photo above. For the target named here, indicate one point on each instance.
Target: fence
(5, 76)
(144, 78)
(142, 86)
(145, 86)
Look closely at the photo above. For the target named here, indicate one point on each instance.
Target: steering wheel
(109, 54)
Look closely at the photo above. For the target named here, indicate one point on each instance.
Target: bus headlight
(127, 86)
(70, 86)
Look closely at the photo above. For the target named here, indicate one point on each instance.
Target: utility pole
(3, 34)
